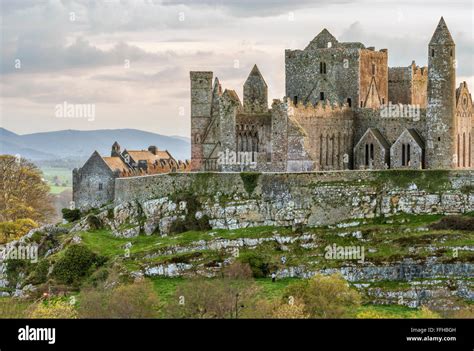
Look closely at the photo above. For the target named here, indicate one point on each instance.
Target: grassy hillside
(387, 241)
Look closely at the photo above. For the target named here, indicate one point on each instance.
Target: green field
(59, 179)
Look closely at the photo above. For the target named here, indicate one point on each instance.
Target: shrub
(55, 308)
(13, 308)
(258, 263)
(15, 269)
(13, 230)
(71, 215)
(454, 223)
(78, 261)
(237, 270)
(137, 300)
(211, 298)
(94, 222)
(40, 274)
(325, 296)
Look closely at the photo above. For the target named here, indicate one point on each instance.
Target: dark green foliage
(78, 262)
(432, 181)
(110, 214)
(71, 215)
(454, 223)
(14, 268)
(40, 274)
(36, 237)
(190, 222)
(259, 264)
(94, 222)
(250, 180)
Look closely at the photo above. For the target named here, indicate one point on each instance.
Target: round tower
(440, 115)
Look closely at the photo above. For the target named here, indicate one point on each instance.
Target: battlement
(319, 107)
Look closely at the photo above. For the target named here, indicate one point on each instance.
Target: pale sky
(131, 58)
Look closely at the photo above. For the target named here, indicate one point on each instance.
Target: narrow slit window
(366, 154)
(403, 155)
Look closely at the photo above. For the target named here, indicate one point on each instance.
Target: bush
(454, 223)
(137, 300)
(211, 298)
(258, 263)
(325, 296)
(13, 308)
(55, 308)
(15, 269)
(237, 270)
(94, 222)
(78, 262)
(71, 215)
(40, 274)
(14, 230)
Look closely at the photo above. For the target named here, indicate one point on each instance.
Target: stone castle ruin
(344, 109)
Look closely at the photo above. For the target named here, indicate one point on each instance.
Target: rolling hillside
(76, 144)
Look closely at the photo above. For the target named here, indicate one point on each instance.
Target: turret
(440, 118)
(115, 150)
(201, 101)
(255, 93)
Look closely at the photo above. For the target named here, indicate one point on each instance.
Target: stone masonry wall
(234, 200)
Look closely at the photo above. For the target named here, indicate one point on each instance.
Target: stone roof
(377, 135)
(414, 134)
(255, 75)
(442, 36)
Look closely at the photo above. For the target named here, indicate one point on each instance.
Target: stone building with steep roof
(94, 182)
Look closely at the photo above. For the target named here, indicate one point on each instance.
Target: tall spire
(255, 93)
(442, 36)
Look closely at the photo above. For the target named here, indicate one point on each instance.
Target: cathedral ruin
(344, 109)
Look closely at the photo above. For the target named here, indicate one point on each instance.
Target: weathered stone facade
(93, 184)
(289, 199)
(336, 93)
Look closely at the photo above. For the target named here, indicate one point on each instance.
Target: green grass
(104, 243)
(63, 175)
(55, 190)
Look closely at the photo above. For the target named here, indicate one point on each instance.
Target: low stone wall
(236, 200)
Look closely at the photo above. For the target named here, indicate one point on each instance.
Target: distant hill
(78, 144)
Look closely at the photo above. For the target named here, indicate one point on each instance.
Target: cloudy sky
(130, 59)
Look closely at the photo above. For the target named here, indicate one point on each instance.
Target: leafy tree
(13, 230)
(325, 296)
(23, 192)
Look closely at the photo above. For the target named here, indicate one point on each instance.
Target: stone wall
(93, 183)
(235, 200)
